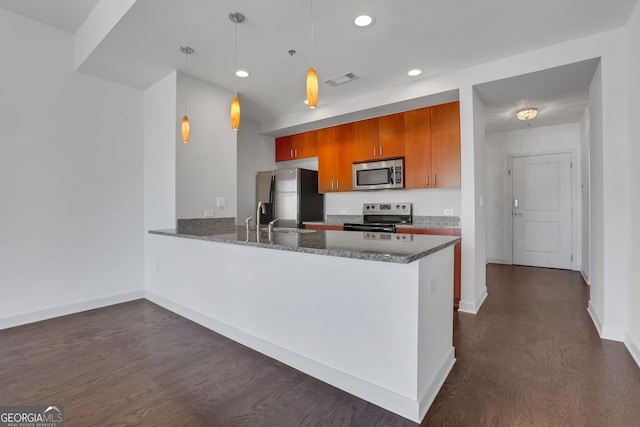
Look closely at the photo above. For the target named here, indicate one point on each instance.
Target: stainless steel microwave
(378, 175)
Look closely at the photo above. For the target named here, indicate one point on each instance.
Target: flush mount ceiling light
(363, 20)
(527, 114)
(236, 18)
(415, 72)
(186, 127)
(312, 77)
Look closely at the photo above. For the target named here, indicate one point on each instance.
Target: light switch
(222, 202)
(209, 213)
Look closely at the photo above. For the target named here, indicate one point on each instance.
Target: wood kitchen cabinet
(457, 255)
(432, 146)
(380, 138)
(323, 227)
(298, 146)
(335, 157)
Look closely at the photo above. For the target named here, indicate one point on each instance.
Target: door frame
(576, 218)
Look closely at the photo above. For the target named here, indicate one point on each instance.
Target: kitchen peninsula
(369, 313)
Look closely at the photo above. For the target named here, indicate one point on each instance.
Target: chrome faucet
(270, 227)
(259, 209)
(246, 222)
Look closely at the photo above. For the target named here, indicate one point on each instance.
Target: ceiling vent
(341, 79)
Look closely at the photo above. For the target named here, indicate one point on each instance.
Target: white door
(541, 210)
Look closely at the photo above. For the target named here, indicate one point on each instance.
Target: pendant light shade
(186, 129)
(186, 126)
(236, 18)
(312, 88)
(235, 113)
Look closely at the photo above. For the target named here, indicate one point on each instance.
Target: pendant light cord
(312, 32)
(186, 55)
(236, 55)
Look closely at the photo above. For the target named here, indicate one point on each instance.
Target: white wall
(430, 202)
(500, 147)
(255, 153)
(585, 189)
(632, 338)
(71, 189)
(206, 167)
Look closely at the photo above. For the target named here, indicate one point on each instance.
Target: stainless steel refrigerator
(290, 195)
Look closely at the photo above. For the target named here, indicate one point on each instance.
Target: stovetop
(383, 217)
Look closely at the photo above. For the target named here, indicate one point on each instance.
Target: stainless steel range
(382, 217)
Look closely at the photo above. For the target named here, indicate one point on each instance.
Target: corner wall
(632, 337)
(71, 185)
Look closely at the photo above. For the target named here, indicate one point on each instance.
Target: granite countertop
(384, 247)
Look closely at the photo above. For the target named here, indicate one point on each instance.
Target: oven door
(378, 175)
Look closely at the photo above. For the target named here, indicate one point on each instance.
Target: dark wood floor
(531, 357)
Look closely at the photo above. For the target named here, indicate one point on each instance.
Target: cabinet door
(304, 145)
(391, 136)
(284, 148)
(366, 140)
(417, 145)
(325, 139)
(445, 144)
(344, 149)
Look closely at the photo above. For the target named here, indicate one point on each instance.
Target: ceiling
(436, 36)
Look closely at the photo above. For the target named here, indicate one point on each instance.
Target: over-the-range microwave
(378, 175)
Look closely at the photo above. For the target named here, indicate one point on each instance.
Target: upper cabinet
(298, 146)
(445, 145)
(380, 138)
(432, 147)
(335, 157)
(427, 138)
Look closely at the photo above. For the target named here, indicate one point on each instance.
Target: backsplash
(204, 226)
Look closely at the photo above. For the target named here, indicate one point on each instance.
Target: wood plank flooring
(530, 357)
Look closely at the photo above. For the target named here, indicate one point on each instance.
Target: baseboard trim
(430, 394)
(386, 399)
(595, 319)
(633, 348)
(50, 313)
(474, 308)
(498, 261)
(585, 277)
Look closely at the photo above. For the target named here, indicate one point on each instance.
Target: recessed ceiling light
(242, 73)
(363, 20)
(415, 72)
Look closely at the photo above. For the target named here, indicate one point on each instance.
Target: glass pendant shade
(527, 114)
(186, 129)
(235, 113)
(312, 88)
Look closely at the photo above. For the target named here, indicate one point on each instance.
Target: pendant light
(186, 127)
(236, 18)
(527, 114)
(312, 77)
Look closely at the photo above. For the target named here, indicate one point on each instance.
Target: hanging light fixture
(527, 114)
(186, 127)
(312, 77)
(236, 18)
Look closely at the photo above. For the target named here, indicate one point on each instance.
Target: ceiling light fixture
(236, 18)
(415, 72)
(363, 20)
(527, 114)
(186, 126)
(242, 73)
(312, 77)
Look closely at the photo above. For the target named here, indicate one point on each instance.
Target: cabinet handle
(337, 184)
(381, 151)
(427, 179)
(291, 153)
(296, 152)
(434, 178)
(331, 185)
(374, 151)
